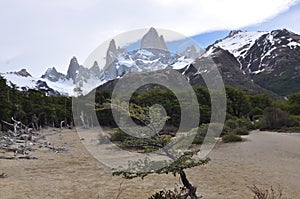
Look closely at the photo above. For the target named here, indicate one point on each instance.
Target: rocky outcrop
(23, 72)
(95, 70)
(52, 75)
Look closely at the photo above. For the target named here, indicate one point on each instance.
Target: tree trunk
(188, 185)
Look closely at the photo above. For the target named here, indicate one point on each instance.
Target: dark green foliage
(29, 105)
(119, 136)
(231, 138)
(204, 103)
(231, 123)
(238, 126)
(200, 135)
(237, 102)
(234, 128)
(283, 82)
(293, 104)
(294, 120)
(201, 132)
(5, 104)
(258, 103)
(241, 131)
(246, 106)
(126, 141)
(166, 98)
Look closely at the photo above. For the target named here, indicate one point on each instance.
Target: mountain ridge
(250, 58)
(263, 55)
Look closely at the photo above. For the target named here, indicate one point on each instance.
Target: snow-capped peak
(239, 42)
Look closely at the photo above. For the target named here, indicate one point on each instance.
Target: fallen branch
(7, 157)
(3, 175)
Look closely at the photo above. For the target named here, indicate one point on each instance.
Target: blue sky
(38, 34)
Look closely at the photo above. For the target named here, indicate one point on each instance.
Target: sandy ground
(264, 159)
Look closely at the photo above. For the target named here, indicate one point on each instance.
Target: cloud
(50, 32)
(289, 20)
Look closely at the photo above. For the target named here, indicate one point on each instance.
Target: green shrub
(199, 136)
(241, 131)
(231, 138)
(231, 123)
(201, 133)
(256, 117)
(239, 123)
(256, 111)
(216, 128)
(118, 136)
(243, 123)
(294, 121)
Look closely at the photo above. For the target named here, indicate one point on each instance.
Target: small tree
(165, 144)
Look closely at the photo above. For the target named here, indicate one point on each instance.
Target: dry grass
(271, 193)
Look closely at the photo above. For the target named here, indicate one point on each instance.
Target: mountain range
(254, 61)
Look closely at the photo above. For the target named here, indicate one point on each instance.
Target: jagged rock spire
(73, 69)
(152, 40)
(111, 53)
(95, 69)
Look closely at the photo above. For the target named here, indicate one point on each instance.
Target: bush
(202, 133)
(231, 123)
(231, 138)
(199, 135)
(118, 136)
(239, 123)
(243, 123)
(256, 117)
(294, 121)
(177, 193)
(216, 128)
(241, 131)
(274, 118)
(261, 193)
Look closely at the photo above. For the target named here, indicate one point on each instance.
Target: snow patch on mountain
(293, 45)
(239, 42)
(62, 87)
(182, 62)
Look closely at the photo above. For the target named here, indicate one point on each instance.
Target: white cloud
(49, 32)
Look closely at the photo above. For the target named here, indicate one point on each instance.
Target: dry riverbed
(264, 159)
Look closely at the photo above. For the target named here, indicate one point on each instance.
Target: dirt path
(264, 159)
